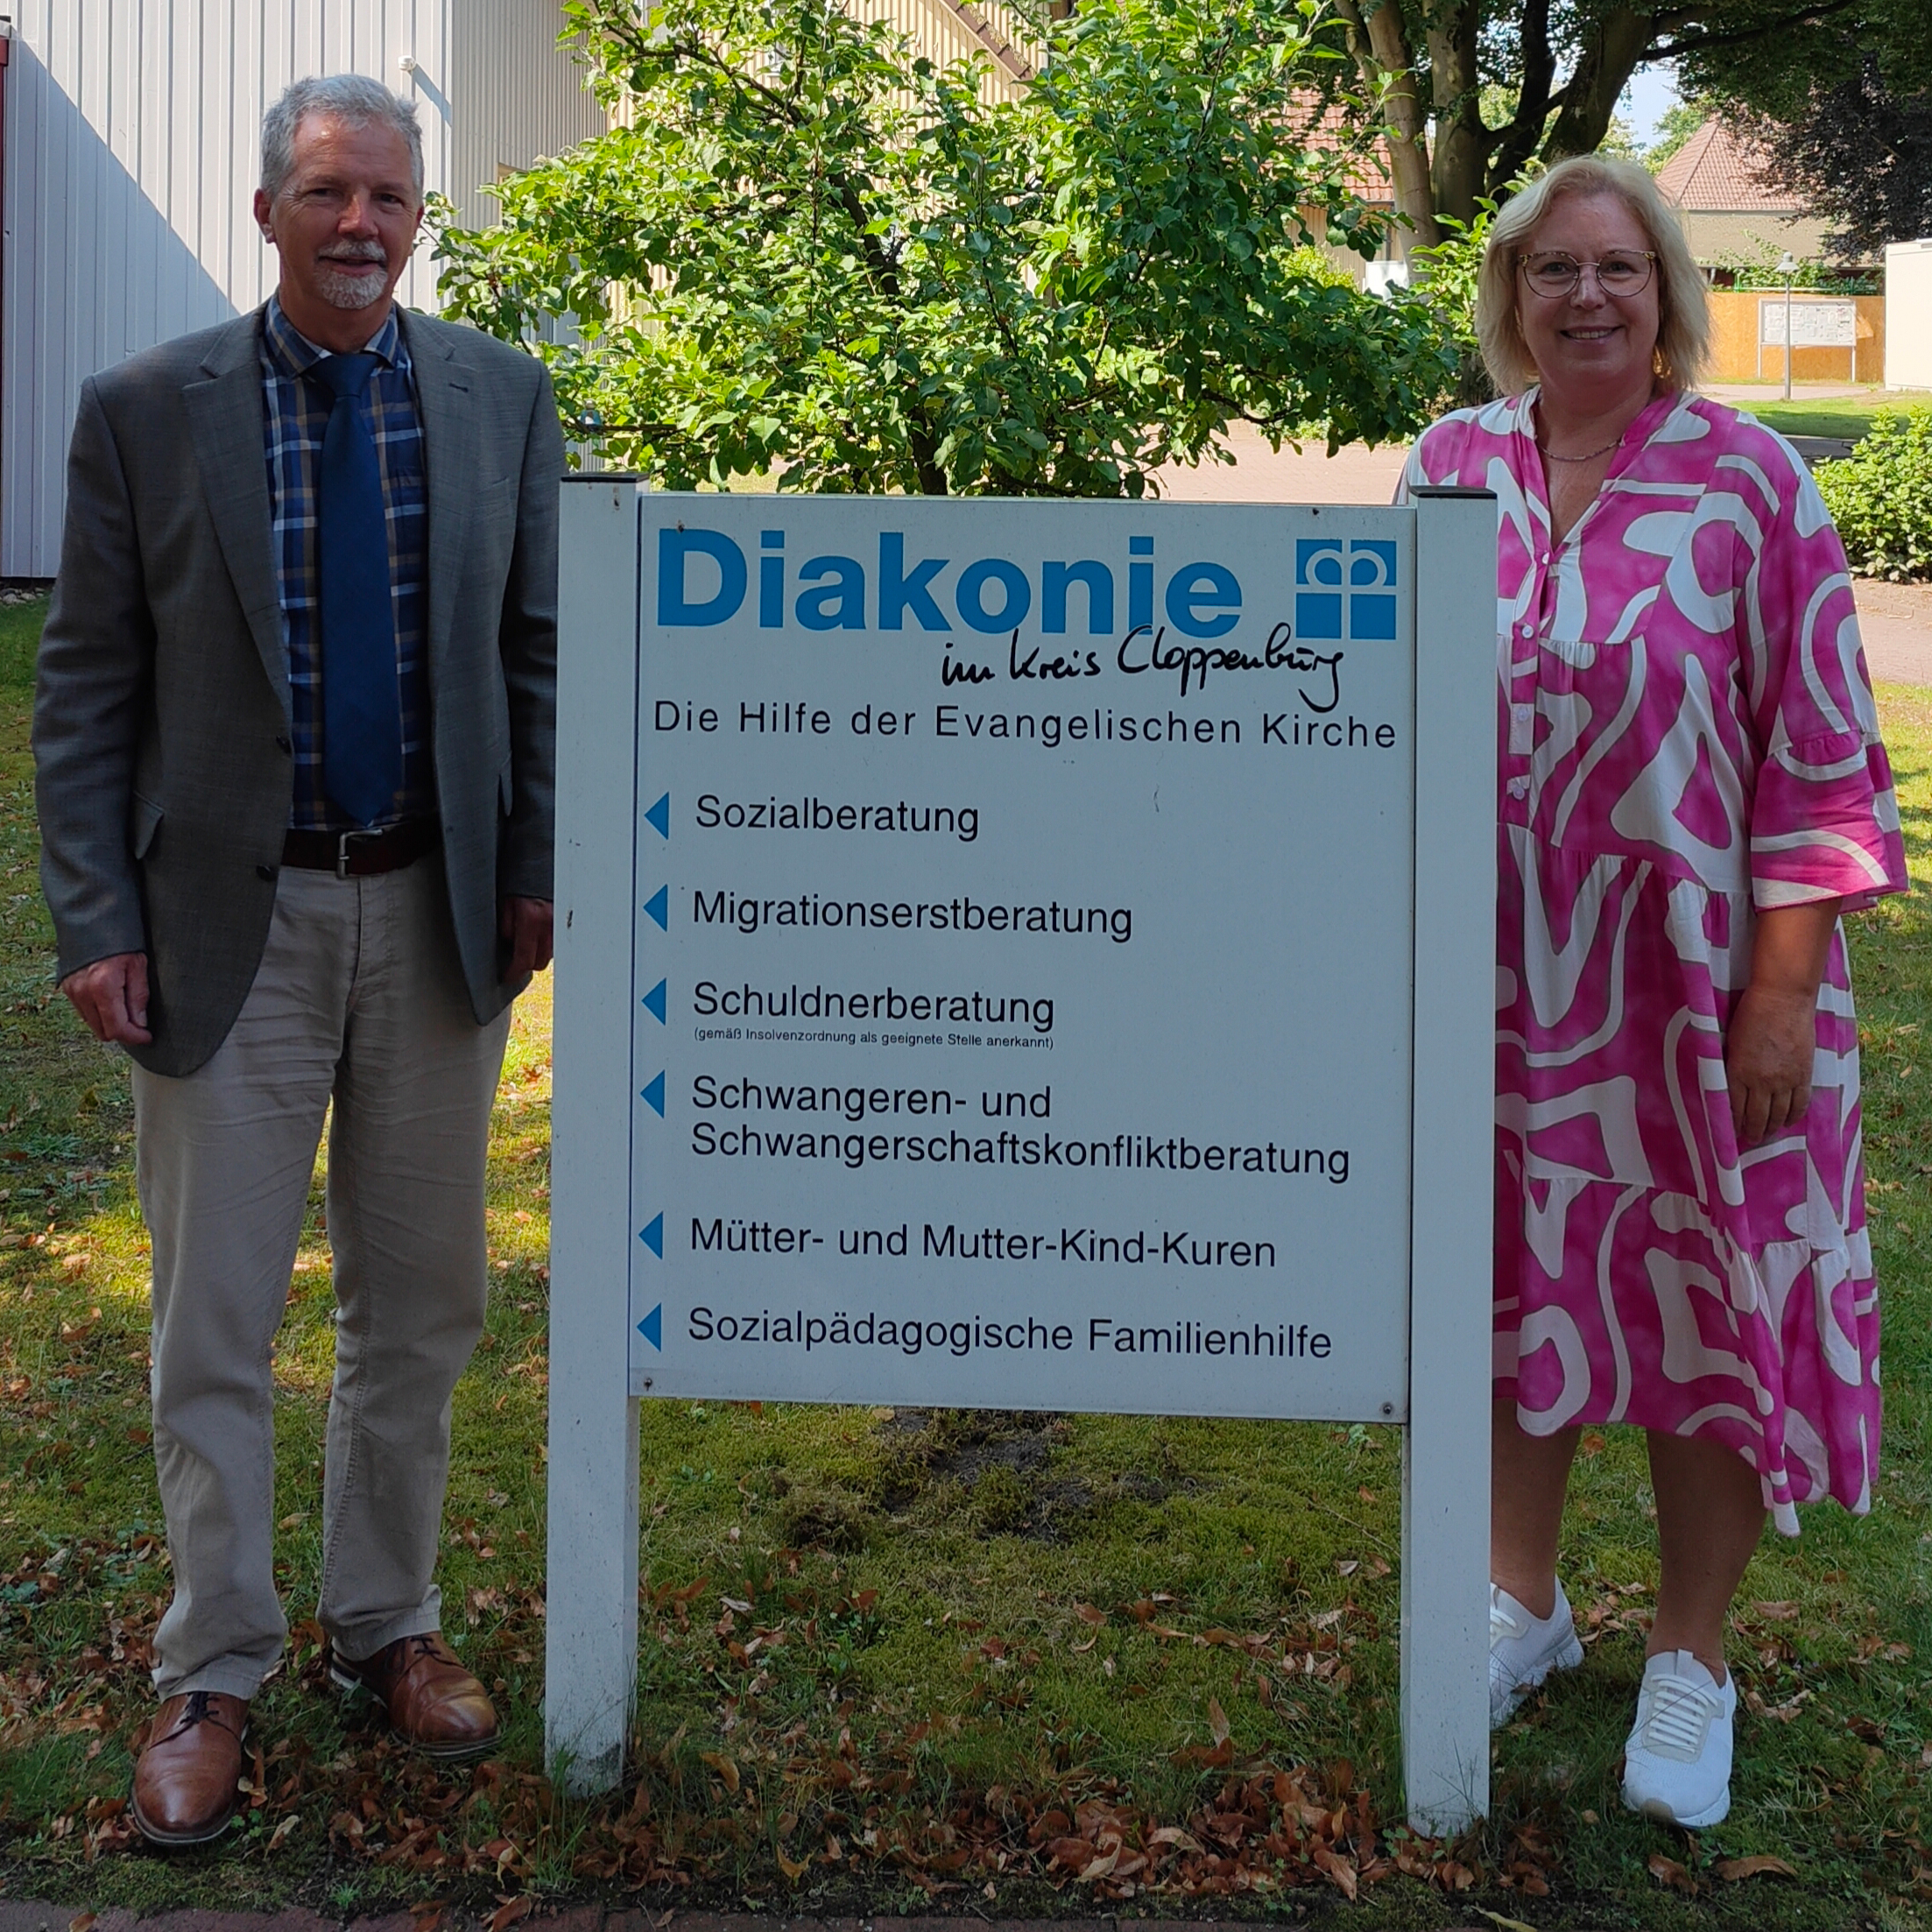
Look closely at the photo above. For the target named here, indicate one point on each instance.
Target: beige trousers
(359, 999)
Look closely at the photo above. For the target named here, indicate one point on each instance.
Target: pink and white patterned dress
(1687, 735)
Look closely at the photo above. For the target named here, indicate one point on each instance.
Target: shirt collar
(289, 352)
(1637, 435)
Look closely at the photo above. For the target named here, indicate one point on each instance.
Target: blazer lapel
(445, 397)
(225, 425)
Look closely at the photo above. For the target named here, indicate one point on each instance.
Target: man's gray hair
(353, 98)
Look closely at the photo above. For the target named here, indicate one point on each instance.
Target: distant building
(1730, 217)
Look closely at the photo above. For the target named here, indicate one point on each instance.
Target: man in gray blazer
(295, 749)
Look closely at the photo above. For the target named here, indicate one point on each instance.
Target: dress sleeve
(1824, 821)
(1435, 457)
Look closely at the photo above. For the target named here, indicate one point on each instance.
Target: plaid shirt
(296, 415)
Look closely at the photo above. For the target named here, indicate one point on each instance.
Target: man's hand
(524, 924)
(111, 995)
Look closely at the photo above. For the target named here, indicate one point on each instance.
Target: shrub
(1880, 496)
(1448, 273)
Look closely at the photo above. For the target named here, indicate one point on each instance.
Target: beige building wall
(947, 30)
(1719, 239)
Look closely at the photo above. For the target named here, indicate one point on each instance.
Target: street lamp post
(1787, 268)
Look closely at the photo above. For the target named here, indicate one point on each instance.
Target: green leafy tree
(806, 249)
(1679, 121)
(1452, 268)
(1475, 95)
(1861, 156)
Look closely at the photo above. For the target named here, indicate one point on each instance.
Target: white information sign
(997, 1044)
(1025, 955)
(1813, 324)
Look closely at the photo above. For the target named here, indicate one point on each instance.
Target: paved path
(1896, 619)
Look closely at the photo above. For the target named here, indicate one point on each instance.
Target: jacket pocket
(143, 821)
(506, 792)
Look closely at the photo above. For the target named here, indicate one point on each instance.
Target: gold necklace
(1591, 456)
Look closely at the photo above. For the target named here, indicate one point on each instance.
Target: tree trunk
(1610, 57)
(1462, 141)
(1381, 49)
(1517, 142)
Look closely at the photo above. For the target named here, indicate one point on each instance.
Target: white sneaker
(1677, 1764)
(1523, 1650)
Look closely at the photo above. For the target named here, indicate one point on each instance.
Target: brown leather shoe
(433, 1701)
(185, 1783)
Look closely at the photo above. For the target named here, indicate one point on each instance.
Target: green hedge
(1880, 496)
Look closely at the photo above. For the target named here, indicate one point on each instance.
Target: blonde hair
(1683, 313)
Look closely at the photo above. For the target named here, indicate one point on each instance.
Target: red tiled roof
(1715, 172)
(1328, 129)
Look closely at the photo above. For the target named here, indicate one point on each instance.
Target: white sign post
(1025, 955)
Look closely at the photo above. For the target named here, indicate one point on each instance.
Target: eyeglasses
(1622, 271)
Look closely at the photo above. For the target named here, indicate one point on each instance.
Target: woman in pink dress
(1692, 790)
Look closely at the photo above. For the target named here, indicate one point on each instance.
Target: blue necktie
(362, 706)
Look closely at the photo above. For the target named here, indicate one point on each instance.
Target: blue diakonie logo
(1352, 597)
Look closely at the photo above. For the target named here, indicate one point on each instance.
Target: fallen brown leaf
(1669, 1872)
(1733, 1870)
(1217, 1721)
(509, 1912)
(725, 1767)
(1339, 1871)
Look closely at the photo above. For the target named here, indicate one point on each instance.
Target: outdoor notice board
(1024, 955)
(1813, 324)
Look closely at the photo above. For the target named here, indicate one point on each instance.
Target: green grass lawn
(1010, 1664)
(1847, 416)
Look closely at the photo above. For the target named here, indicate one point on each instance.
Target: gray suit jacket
(161, 719)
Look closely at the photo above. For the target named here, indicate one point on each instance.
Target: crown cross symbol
(1344, 590)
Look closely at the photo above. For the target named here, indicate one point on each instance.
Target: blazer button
(282, 744)
(264, 872)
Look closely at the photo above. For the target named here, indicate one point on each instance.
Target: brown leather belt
(350, 855)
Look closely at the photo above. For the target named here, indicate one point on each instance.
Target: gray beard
(343, 290)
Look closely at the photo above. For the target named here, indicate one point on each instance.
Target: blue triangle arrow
(654, 1097)
(659, 817)
(658, 906)
(653, 1003)
(652, 1328)
(652, 1237)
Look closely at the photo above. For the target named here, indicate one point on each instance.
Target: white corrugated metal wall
(131, 130)
(518, 95)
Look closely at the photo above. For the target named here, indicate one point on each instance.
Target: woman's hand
(1767, 1056)
(1772, 1040)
